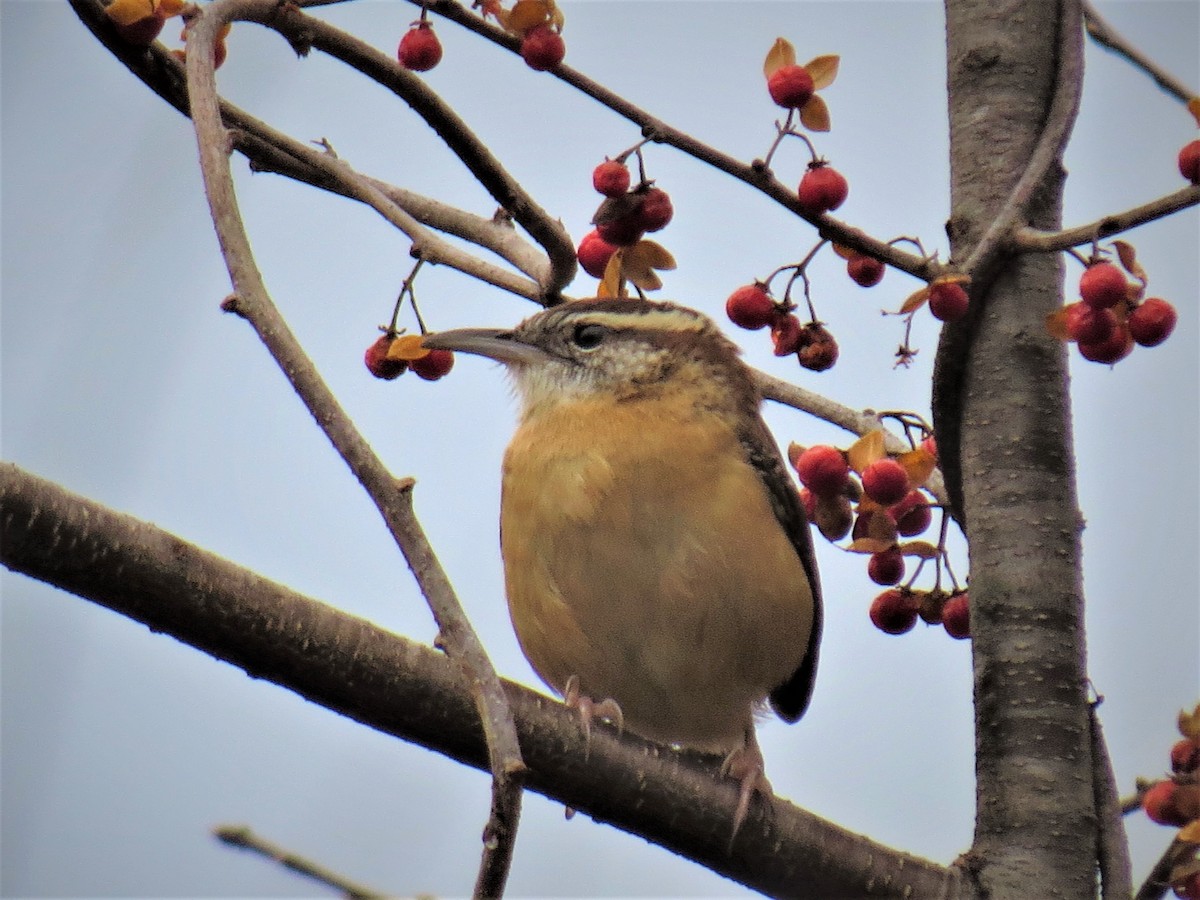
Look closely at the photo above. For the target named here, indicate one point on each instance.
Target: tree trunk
(1036, 827)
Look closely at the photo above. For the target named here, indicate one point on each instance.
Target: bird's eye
(588, 337)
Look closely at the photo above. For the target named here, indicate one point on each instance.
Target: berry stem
(780, 131)
(407, 288)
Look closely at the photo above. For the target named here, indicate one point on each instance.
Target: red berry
(434, 365)
(790, 86)
(912, 514)
(750, 307)
(1160, 804)
(621, 231)
(821, 189)
(1189, 888)
(1088, 324)
(833, 516)
(1152, 322)
(1189, 162)
(818, 349)
(377, 362)
(929, 445)
(142, 32)
(610, 178)
(948, 301)
(656, 210)
(1102, 285)
(420, 50)
(865, 270)
(543, 48)
(956, 617)
(1185, 756)
(885, 481)
(809, 500)
(823, 470)
(1111, 350)
(886, 566)
(786, 333)
(894, 611)
(594, 253)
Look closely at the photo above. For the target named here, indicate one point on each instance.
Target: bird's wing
(791, 698)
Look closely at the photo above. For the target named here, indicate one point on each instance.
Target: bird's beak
(501, 346)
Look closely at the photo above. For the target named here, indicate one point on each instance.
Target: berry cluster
(394, 354)
(753, 308)
(538, 23)
(884, 504)
(615, 249)
(1175, 801)
(1111, 317)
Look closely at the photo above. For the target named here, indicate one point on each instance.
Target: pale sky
(124, 382)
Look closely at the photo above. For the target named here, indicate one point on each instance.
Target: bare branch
(1105, 35)
(398, 687)
(394, 500)
(1035, 240)
(241, 836)
(271, 151)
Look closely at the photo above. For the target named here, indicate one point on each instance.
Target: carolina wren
(656, 551)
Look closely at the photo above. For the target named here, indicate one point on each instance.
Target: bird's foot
(590, 709)
(746, 766)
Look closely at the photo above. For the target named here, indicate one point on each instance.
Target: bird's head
(623, 350)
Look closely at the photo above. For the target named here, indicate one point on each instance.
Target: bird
(658, 564)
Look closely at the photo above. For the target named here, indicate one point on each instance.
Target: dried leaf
(654, 255)
(794, 452)
(407, 347)
(814, 114)
(952, 278)
(1193, 106)
(921, 549)
(613, 282)
(919, 464)
(1189, 833)
(781, 54)
(823, 70)
(1056, 324)
(866, 450)
(1129, 263)
(526, 15)
(845, 252)
(126, 12)
(869, 545)
(1189, 723)
(169, 8)
(915, 301)
(639, 264)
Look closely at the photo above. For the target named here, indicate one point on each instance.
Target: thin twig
(241, 836)
(1105, 35)
(393, 499)
(1036, 240)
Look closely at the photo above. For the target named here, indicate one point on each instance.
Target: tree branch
(271, 151)
(1116, 870)
(655, 129)
(1034, 240)
(1105, 35)
(393, 500)
(401, 688)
